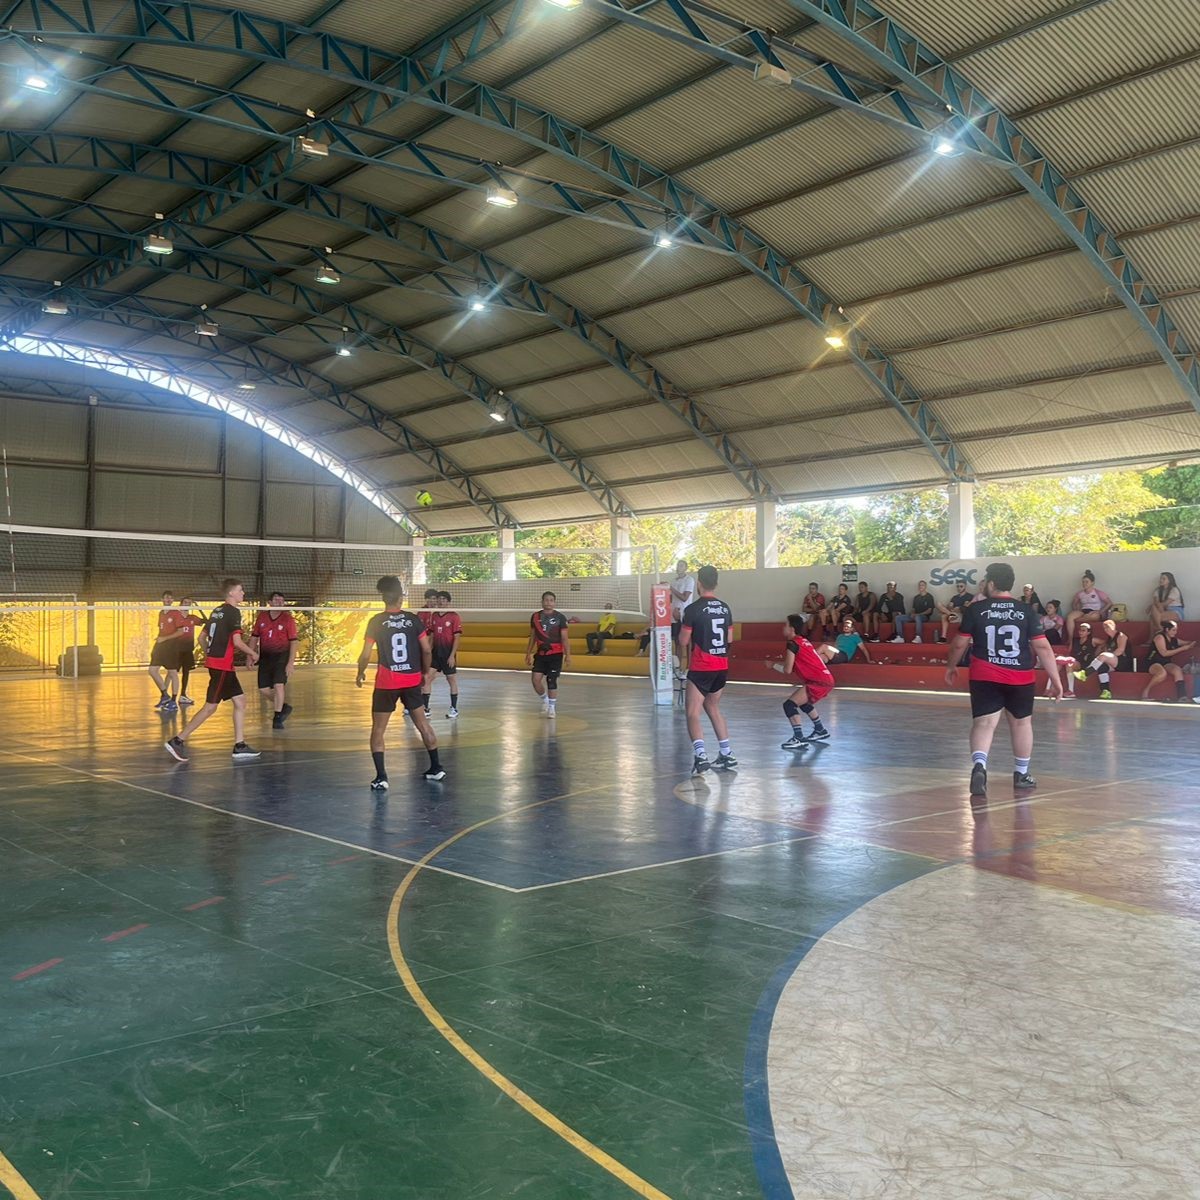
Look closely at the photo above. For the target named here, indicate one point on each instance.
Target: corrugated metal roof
(707, 491)
(860, 471)
(950, 27)
(1145, 191)
(1171, 257)
(844, 435)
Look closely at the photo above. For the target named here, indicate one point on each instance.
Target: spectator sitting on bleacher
(1052, 622)
(1164, 651)
(604, 630)
(837, 610)
(1078, 656)
(1029, 596)
(922, 610)
(811, 607)
(1107, 649)
(866, 611)
(1166, 601)
(849, 643)
(891, 605)
(953, 609)
(1088, 602)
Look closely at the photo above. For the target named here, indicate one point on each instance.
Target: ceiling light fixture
(37, 82)
(944, 147)
(155, 243)
(502, 197)
(312, 147)
(56, 308)
(836, 340)
(477, 305)
(326, 274)
(206, 328)
(772, 76)
(565, 3)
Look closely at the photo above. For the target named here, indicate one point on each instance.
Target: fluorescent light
(39, 83)
(312, 147)
(836, 340)
(477, 305)
(496, 410)
(343, 351)
(664, 240)
(944, 146)
(772, 76)
(327, 275)
(206, 328)
(496, 415)
(157, 244)
(502, 197)
(247, 385)
(56, 308)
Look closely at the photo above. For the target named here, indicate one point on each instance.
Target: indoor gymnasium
(598, 599)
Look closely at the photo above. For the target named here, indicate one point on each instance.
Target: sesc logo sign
(952, 573)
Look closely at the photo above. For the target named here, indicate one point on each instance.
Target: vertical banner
(662, 668)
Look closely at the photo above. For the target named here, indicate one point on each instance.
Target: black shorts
(839, 657)
(187, 655)
(272, 668)
(385, 699)
(222, 685)
(676, 626)
(988, 696)
(708, 682)
(441, 663)
(549, 665)
(164, 654)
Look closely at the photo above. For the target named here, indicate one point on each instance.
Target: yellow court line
(16, 1183)
(572, 1137)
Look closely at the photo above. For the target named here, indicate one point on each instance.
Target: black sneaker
(795, 742)
(285, 712)
(435, 776)
(979, 780)
(177, 749)
(277, 721)
(1023, 781)
(162, 700)
(726, 762)
(818, 735)
(243, 753)
(379, 783)
(700, 764)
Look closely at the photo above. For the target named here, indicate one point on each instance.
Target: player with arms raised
(706, 629)
(402, 646)
(1006, 639)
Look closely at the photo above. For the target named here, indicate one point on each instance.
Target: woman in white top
(1166, 601)
(1088, 602)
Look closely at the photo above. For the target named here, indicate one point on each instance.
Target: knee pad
(789, 708)
(807, 708)
(552, 681)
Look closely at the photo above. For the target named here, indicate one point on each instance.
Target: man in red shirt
(221, 637)
(274, 636)
(185, 632)
(445, 630)
(163, 655)
(1006, 639)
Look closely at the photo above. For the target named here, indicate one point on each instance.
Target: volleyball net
(66, 588)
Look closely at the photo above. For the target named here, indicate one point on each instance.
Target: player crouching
(402, 648)
(802, 662)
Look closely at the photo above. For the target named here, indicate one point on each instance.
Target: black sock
(377, 759)
(1181, 689)
(817, 726)
(425, 699)
(434, 765)
(454, 700)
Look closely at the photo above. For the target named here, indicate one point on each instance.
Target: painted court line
(277, 879)
(227, 812)
(203, 903)
(124, 933)
(30, 972)
(16, 1183)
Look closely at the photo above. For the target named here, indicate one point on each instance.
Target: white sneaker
(452, 714)
(550, 712)
(916, 641)
(898, 638)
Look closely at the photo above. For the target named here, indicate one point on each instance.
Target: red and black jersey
(809, 666)
(443, 628)
(187, 626)
(711, 623)
(426, 616)
(224, 621)
(548, 631)
(396, 635)
(168, 622)
(1002, 630)
(274, 633)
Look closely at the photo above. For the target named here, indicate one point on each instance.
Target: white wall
(1127, 578)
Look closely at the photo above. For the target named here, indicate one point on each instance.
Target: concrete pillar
(766, 548)
(420, 572)
(962, 520)
(508, 554)
(620, 527)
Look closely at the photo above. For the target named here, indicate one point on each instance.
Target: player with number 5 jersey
(401, 645)
(1007, 641)
(706, 629)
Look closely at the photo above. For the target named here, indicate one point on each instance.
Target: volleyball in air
(424, 500)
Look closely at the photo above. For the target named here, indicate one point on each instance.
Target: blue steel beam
(695, 220)
(266, 180)
(364, 327)
(230, 361)
(979, 125)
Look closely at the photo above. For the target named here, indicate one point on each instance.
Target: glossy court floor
(826, 976)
